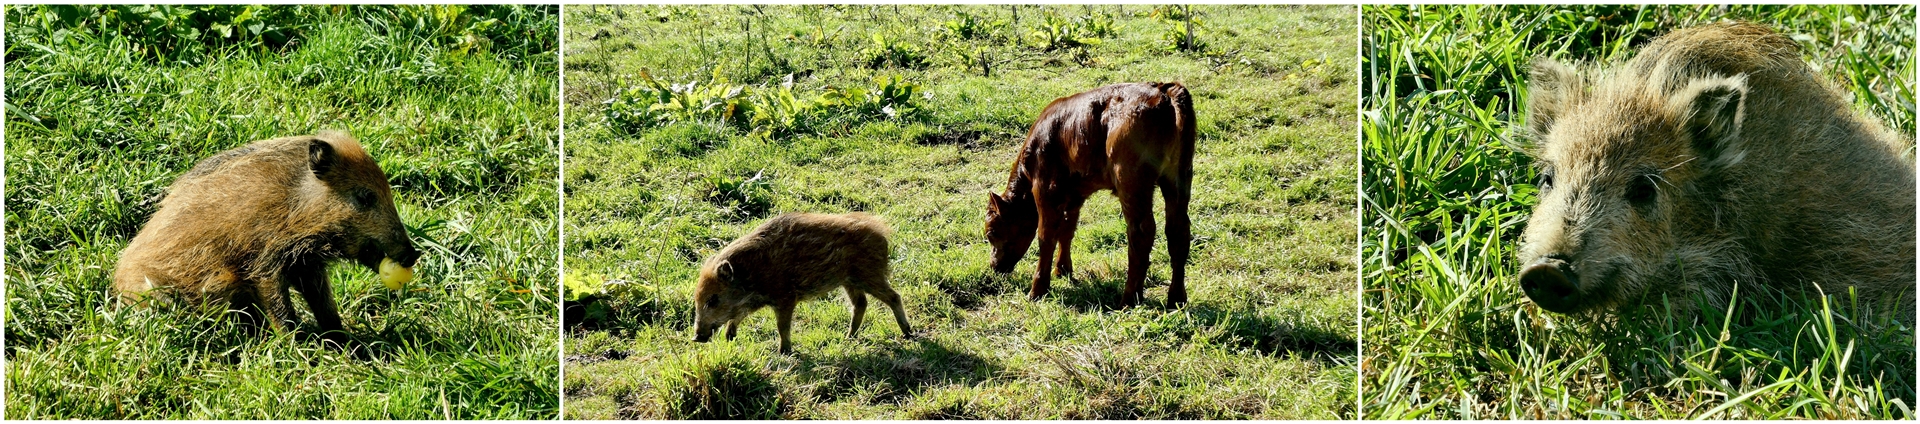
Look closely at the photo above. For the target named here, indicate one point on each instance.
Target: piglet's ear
(1710, 111)
(724, 271)
(1553, 89)
(320, 156)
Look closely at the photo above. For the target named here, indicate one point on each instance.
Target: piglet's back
(803, 251)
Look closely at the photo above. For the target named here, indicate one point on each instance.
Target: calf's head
(1011, 224)
(354, 199)
(1617, 163)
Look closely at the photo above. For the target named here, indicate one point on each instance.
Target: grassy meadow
(106, 105)
(687, 126)
(1446, 192)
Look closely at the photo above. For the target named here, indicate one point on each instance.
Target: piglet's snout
(702, 333)
(1552, 284)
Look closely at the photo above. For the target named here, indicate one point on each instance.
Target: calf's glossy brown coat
(1128, 138)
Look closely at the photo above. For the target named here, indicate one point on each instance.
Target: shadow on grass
(1086, 294)
(970, 292)
(966, 139)
(896, 373)
(1267, 334)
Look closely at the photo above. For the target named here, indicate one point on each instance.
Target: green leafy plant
(1055, 33)
(581, 286)
(187, 33)
(776, 110)
(966, 26)
(167, 33)
(887, 50)
(653, 103)
(892, 96)
(741, 198)
(1168, 12)
(464, 29)
(780, 107)
(1184, 36)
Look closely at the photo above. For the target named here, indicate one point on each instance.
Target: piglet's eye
(363, 199)
(1642, 191)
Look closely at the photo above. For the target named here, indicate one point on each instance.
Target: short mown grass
(1448, 333)
(913, 113)
(106, 105)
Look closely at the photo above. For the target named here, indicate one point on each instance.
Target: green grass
(459, 111)
(1269, 332)
(1448, 333)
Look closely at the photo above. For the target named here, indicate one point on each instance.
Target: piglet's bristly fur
(1713, 158)
(793, 258)
(248, 225)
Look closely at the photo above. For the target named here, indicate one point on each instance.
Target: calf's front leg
(1049, 235)
(1067, 228)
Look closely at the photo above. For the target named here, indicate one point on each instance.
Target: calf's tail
(1182, 110)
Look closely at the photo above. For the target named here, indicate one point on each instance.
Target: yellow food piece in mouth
(394, 275)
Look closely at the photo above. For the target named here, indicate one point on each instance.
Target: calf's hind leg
(1136, 205)
(1176, 191)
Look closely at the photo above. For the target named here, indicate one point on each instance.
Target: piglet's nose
(407, 256)
(1552, 284)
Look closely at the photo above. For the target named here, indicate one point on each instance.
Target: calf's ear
(320, 156)
(1710, 111)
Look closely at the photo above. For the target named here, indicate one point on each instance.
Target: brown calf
(1128, 138)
